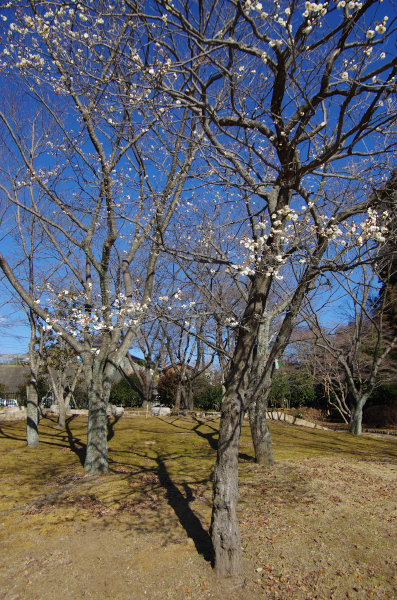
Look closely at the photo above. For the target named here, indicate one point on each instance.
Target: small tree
(353, 356)
(63, 369)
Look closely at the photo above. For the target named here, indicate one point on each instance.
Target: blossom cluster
(372, 228)
(78, 314)
(286, 226)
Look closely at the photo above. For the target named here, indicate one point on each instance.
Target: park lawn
(320, 524)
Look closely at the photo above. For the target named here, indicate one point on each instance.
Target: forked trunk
(63, 404)
(260, 431)
(32, 421)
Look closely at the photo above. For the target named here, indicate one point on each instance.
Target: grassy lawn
(326, 488)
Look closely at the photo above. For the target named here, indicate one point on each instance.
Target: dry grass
(156, 503)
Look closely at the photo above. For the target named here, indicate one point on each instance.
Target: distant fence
(20, 396)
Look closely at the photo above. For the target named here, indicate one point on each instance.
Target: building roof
(13, 376)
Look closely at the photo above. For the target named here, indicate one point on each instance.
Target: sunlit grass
(180, 449)
(160, 486)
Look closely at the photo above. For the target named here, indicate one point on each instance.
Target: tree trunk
(356, 419)
(225, 531)
(261, 436)
(258, 403)
(32, 422)
(96, 460)
(63, 404)
(178, 396)
(62, 416)
(190, 399)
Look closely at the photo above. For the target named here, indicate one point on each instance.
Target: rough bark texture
(178, 396)
(63, 407)
(96, 460)
(190, 399)
(356, 420)
(225, 529)
(258, 403)
(261, 436)
(32, 422)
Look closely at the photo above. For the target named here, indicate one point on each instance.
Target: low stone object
(277, 415)
(54, 410)
(160, 411)
(115, 411)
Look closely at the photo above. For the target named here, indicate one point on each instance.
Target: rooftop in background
(13, 376)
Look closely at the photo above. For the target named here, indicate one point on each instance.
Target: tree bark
(178, 396)
(356, 419)
(32, 409)
(225, 531)
(63, 409)
(258, 403)
(32, 422)
(261, 436)
(190, 399)
(96, 460)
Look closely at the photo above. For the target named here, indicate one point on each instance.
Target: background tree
(354, 355)
(63, 370)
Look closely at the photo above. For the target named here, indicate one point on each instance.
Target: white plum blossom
(380, 28)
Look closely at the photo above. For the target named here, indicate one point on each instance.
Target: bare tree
(286, 99)
(107, 163)
(62, 370)
(354, 355)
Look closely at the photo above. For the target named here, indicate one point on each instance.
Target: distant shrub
(383, 415)
(122, 394)
(210, 398)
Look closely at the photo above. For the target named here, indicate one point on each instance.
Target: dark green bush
(123, 394)
(210, 398)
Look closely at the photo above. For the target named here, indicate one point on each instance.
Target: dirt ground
(319, 525)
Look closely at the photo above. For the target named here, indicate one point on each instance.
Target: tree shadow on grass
(58, 439)
(75, 444)
(212, 436)
(79, 447)
(111, 422)
(180, 503)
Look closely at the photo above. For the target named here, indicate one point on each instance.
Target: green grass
(180, 449)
